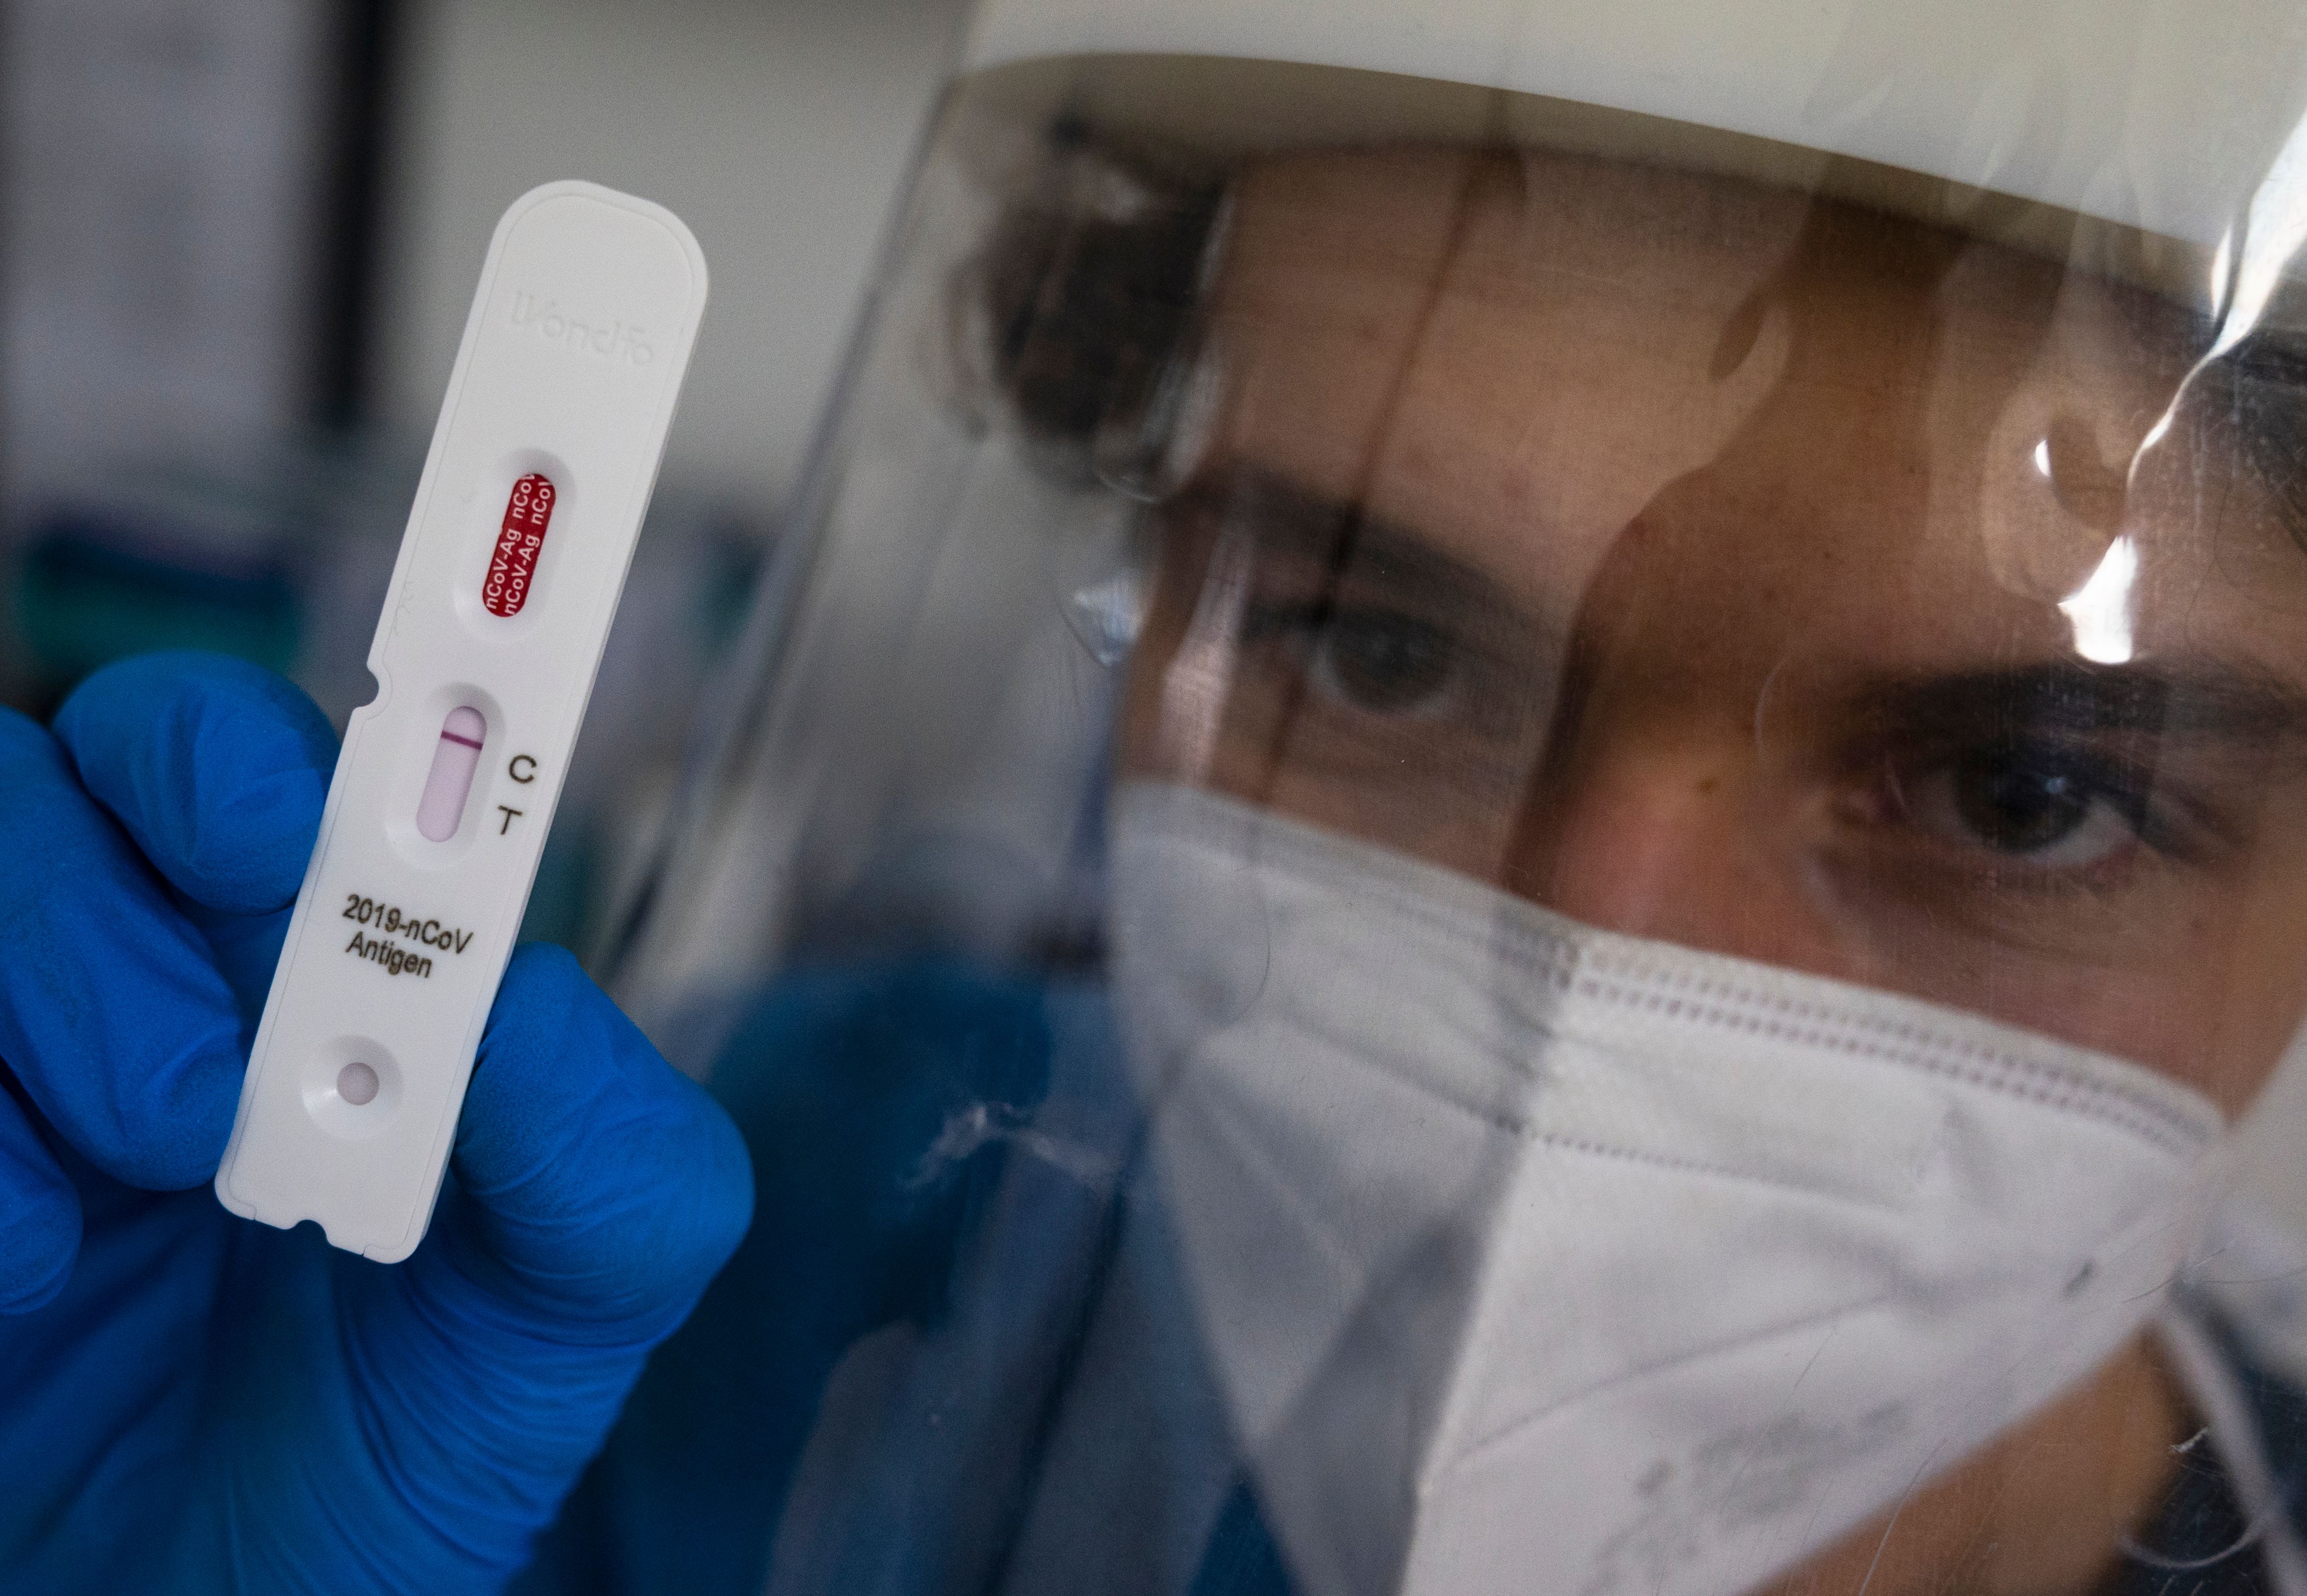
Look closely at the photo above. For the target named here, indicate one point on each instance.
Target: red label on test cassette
(519, 536)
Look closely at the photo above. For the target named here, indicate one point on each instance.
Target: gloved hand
(192, 1402)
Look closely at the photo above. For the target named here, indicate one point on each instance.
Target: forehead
(1517, 355)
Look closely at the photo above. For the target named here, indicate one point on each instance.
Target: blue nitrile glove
(192, 1402)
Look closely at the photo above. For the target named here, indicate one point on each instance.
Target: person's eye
(2043, 808)
(1382, 662)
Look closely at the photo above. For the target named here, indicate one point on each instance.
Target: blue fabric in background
(846, 1081)
(883, 1107)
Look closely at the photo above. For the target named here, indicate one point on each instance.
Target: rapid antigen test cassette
(509, 574)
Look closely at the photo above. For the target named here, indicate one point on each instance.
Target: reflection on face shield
(1699, 827)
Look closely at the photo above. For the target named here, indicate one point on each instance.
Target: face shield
(1522, 807)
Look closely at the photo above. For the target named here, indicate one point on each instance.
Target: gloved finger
(593, 1193)
(113, 1017)
(39, 1215)
(217, 768)
(594, 1183)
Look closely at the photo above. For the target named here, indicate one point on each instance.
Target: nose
(1664, 830)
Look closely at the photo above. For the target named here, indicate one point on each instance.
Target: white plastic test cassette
(509, 575)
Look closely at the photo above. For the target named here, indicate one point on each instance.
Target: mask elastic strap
(2210, 1382)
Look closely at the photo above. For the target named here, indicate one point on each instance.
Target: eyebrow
(2179, 698)
(1354, 544)
(2182, 697)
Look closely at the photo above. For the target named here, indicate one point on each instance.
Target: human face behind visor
(1755, 574)
(1743, 571)
(1676, 783)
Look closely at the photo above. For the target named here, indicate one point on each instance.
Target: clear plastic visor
(1700, 558)
(1677, 776)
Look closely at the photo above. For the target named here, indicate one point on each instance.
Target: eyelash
(2155, 820)
(1309, 631)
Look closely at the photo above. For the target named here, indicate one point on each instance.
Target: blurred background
(240, 240)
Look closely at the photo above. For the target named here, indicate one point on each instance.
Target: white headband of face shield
(1521, 1246)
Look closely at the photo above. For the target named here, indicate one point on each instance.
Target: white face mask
(1534, 1258)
